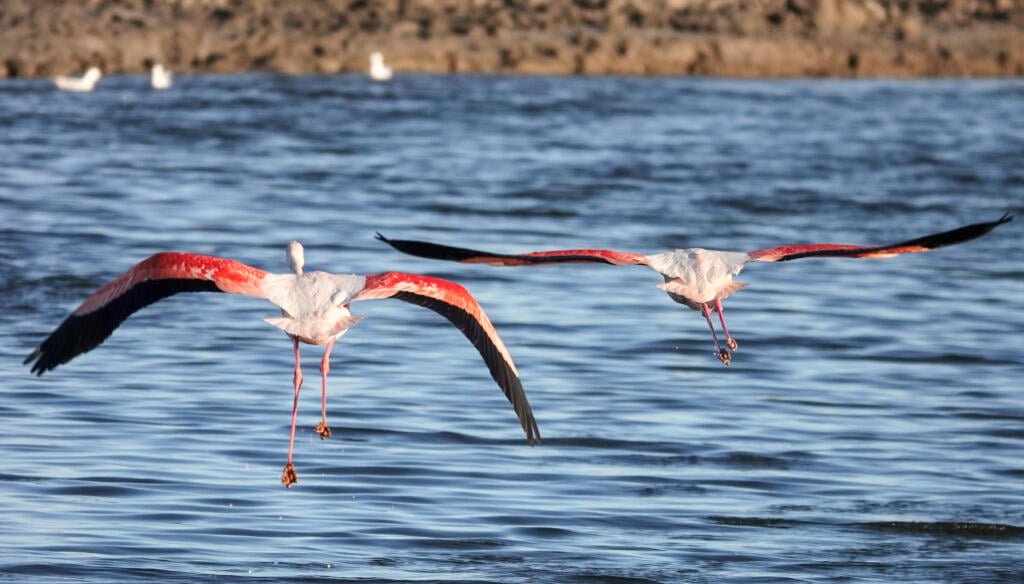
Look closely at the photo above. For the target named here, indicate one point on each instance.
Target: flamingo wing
(152, 279)
(436, 251)
(918, 245)
(456, 304)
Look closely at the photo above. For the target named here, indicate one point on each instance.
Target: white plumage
(159, 78)
(81, 84)
(696, 276)
(379, 71)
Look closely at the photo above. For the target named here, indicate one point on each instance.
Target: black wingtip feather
(433, 251)
(502, 373)
(928, 242)
(82, 333)
(960, 235)
(75, 336)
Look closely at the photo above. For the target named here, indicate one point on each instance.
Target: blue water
(870, 428)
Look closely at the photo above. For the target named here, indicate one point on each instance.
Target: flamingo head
(296, 258)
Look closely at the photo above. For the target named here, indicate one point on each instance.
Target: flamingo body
(314, 306)
(699, 278)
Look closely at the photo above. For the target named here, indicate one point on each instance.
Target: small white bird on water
(81, 84)
(159, 77)
(315, 310)
(378, 70)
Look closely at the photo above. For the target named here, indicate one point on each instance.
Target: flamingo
(378, 70)
(315, 310)
(82, 84)
(698, 278)
(159, 78)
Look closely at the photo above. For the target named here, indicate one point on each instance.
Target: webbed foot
(323, 430)
(288, 477)
(724, 356)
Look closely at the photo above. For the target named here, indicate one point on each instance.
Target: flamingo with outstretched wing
(315, 310)
(698, 278)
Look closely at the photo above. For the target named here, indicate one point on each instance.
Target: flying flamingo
(698, 278)
(315, 310)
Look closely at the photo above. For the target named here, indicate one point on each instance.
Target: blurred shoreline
(740, 38)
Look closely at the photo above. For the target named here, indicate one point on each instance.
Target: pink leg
(325, 367)
(288, 477)
(723, 355)
(729, 341)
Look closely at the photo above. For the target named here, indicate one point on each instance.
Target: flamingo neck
(296, 257)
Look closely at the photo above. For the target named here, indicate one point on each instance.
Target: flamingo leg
(723, 355)
(325, 367)
(729, 341)
(288, 477)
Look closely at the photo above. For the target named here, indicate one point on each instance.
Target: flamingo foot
(288, 477)
(323, 430)
(731, 342)
(724, 356)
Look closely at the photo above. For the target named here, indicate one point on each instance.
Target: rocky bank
(745, 38)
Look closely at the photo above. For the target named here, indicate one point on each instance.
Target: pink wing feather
(918, 245)
(436, 251)
(456, 304)
(152, 279)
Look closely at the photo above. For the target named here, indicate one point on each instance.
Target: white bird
(698, 278)
(81, 84)
(378, 70)
(315, 310)
(159, 77)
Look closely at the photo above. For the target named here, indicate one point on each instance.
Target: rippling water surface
(871, 426)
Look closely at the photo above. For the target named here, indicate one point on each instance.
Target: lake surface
(870, 428)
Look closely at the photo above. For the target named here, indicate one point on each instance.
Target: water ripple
(868, 428)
